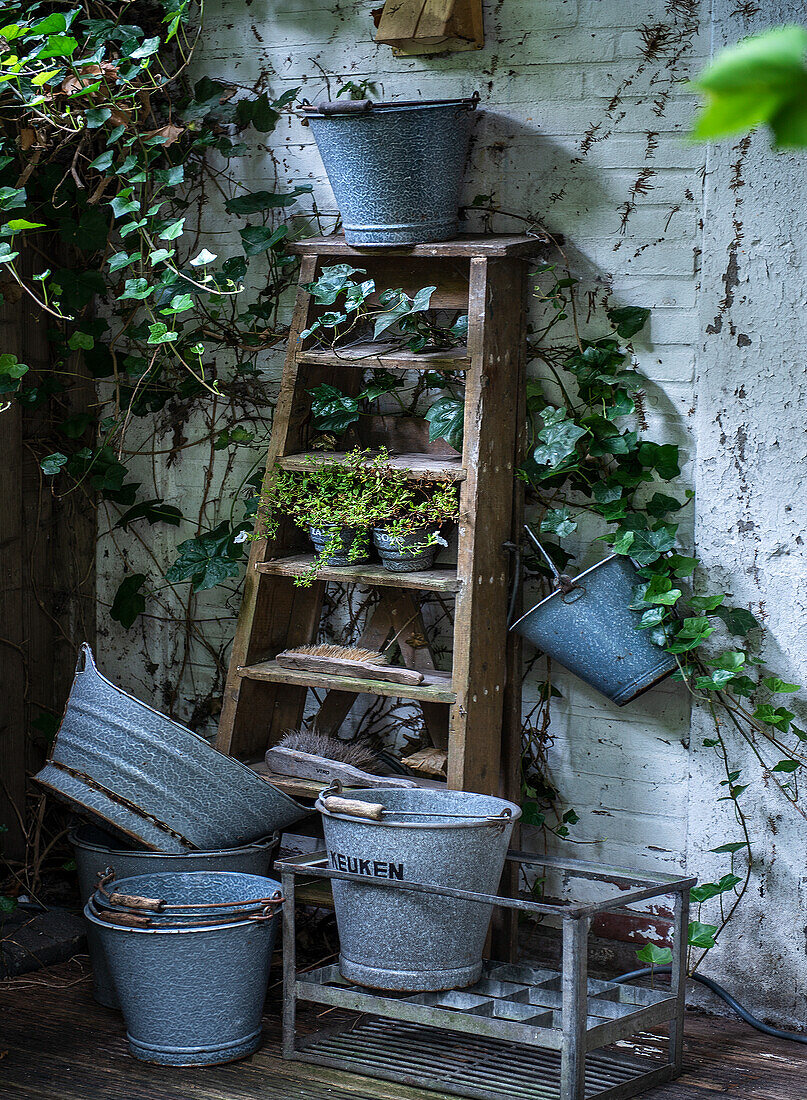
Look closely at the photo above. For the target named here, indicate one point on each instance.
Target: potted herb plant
(332, 502)
(408, 519)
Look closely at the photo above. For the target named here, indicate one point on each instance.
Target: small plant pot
(352, 548)
(406, 553)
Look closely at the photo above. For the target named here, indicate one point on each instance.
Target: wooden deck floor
(56, 1043)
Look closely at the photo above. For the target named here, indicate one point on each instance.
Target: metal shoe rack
(521, 1032)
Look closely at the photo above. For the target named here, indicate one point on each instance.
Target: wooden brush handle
(359, 670)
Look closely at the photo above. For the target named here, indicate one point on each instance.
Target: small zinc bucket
(395, 168)
(98, 852)
(587, 626)
(410, 941)
(190, 955)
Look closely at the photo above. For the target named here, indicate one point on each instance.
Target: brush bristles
(358, 754)
(343, 653)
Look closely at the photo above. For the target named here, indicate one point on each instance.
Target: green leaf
(559, 521)
(780, 687)
(256, 201)
(787, 765)
(701, 935)
(136, 289)
(124, 203)
(558, 438)
(7, 904)
(663, 458)
(778, 717)
(103, 161)
(446, 420)
(159, 333)
(81, 340)
(654, 955)
(16, 225)
(207, 560)
(708, 890)
(96, 117)
(732, 660)
(397, 305)
(128, 602)
(761, 79)
(57, 45)
(172, 231)
(52, 464)
(333, 411)
(153, 511)
(738, 620)
(147, 49)
(122, 259)
(735, 846)
(628, 320)
(259, 238)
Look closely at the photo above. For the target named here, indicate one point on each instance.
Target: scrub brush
(323, 758)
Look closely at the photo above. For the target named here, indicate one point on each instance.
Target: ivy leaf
(333, 411)
(648, 546)
(446, 420)
(661, 457)
(103, 161)
(701, 935)
(121, 260)
(52, 464)
(128, 602)
(778, 717)
(396, 305)
(559, 521)
(661, 505)
(780, 687)
(7, 903)
(57, 45)
(80, 340)
(172, 231)
(207, 560)
(136, 289)
(729, 849)
(708, 890)
(11, 371)
(715, 682)
(147, 49)
(256, 201)
(738, 620)
(628, 320)
(733, 660)
(159, 333)
(558, 438)
(786, 765)
(259, 238)
(153, 511)
(331, 282)
(654, 955)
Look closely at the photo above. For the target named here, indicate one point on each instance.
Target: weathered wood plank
(442, 578)
(498, 246)
(420, 467)
(373, 356)
(436, 686)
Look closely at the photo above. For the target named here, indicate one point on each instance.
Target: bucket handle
(375, 811)
(85, 661)
(571, 590)
(159, 905)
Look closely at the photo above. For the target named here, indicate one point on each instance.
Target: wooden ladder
(467, 710)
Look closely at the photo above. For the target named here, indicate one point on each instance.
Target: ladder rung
(436, 686)
(421, 467)
(440, 579)
(370, 356)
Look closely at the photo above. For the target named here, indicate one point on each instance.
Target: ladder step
(421, 467)
(436, 686)
(373, 356)
(439, 579)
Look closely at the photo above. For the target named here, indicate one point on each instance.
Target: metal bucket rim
(483, 821)
(311, 110)
(559, 592)
(90, 914)
(90, 666)
(265, 842)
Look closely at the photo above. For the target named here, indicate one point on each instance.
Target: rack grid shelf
(522, 1031)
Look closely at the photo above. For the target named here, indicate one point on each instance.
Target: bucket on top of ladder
(414, 941)
(395, 168)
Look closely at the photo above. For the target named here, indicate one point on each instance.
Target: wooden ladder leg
(491, 402)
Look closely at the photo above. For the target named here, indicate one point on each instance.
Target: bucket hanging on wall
(587, 626)
(395, 168)
(402, 940)
(190, 955)
(97, 852)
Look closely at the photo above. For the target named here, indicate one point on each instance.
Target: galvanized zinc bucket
(137, 772)
(587, 626)
(190, 955)
(395, 168)
(394, 939)
(97, 852)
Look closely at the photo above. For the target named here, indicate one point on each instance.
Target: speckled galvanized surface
(593, 632)
(191, 995)
(96, 851)
(405, 553)
(416, 942)
(188, 897)
(396, 172)
(153, 780)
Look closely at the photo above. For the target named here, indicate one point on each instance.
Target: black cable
(710, 983)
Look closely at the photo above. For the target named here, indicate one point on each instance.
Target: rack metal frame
(573, 1015)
